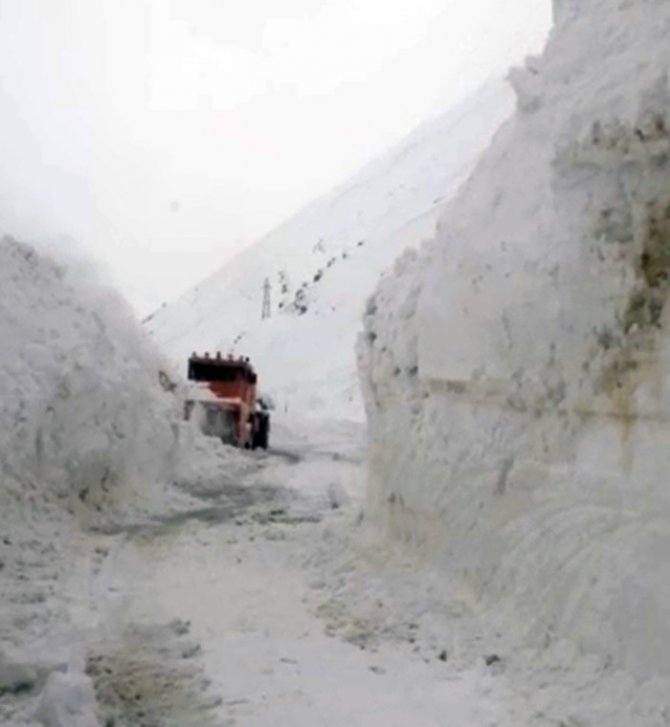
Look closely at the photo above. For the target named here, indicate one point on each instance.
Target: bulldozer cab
(228, 378)
(224, 400)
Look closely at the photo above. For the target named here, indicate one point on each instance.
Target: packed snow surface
(323, 263)
(517, 368)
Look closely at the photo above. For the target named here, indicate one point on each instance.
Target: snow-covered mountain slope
(517, 369)
(323, 263)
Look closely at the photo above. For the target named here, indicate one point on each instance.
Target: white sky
(161, 136)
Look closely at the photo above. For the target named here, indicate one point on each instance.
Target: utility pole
(266, 312)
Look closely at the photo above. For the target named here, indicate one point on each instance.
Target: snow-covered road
(263, 597)
(267, 653)
(230, 620)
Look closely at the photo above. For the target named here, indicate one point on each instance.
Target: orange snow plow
(222, 399)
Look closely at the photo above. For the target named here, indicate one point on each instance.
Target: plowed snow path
(267, 655)
(244, 589)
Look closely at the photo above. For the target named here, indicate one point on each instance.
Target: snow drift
(322, 264)
(517, 372)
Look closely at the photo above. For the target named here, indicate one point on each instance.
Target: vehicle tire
(264, 432)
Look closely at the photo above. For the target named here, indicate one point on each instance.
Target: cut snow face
(516, 371)
(321, 265)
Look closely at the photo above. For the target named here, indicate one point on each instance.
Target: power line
(266, 311)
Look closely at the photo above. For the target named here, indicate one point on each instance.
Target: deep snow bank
(516, 371)
(88, 436)
(85, 430)
(81, 409)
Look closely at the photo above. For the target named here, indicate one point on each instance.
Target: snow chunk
(15, 675)
(68, 700)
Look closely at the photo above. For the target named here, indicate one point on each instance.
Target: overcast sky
(161, 136)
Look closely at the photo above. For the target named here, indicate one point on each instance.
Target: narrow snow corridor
(248, 593)
(268, 656)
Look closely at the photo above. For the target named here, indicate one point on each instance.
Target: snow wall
(82, 416)
(516, 371)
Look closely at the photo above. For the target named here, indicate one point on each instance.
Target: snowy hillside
(517, 377)
(323, 263)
